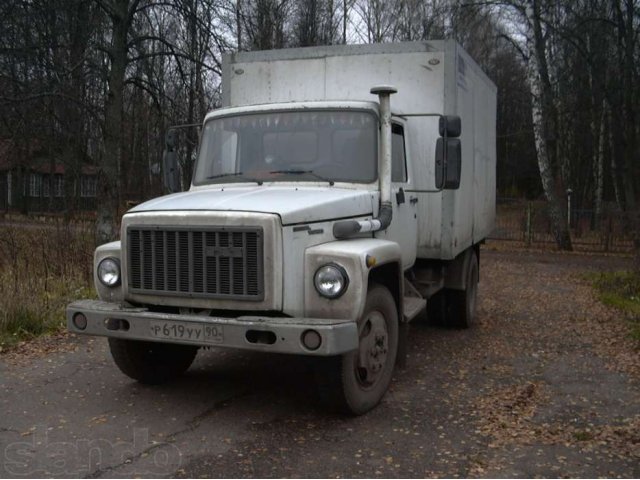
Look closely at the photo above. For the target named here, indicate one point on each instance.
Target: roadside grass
(621, 290)
(43, 266)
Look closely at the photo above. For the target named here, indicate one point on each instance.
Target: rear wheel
(151, 362)
(437, 309)
(356, 382)
(461, 304)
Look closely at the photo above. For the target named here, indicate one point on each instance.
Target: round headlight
(109, 272)
(331, 281)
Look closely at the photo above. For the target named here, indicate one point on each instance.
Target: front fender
(352, 256)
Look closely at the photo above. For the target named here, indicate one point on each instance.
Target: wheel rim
(373, 349)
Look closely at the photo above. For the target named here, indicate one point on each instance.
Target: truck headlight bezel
(331, 281)
(109, 272)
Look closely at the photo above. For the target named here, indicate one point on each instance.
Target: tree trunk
(613, 152)
(624, 14)
(238, 25)
(598, 165)
(544, 116)
(194, 73)
(345, 16)
(629, 107)
(109, 199)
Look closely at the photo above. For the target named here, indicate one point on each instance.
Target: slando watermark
(79, 457)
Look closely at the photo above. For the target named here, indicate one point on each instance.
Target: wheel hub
(373, 350)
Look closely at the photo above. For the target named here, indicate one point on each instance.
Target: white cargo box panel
(431, 77)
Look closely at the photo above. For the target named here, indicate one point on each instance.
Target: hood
(293, 204)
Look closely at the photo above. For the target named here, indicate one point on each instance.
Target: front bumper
(266, 334)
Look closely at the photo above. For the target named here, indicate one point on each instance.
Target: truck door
(404, 225)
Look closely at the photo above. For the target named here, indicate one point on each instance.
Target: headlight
(109, 272)
(331, 280)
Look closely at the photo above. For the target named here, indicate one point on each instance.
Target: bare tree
(134, 37)
(545, 118)
(626, 103)
(99, 81)
(264, 23)
(314, 23)
(120, 14)
(375, 19)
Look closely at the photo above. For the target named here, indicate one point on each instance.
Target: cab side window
(398, 156)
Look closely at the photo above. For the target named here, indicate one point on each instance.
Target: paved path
(529, 391)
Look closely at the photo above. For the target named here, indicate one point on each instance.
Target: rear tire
(437, 309)
(151, 363)
(461, 304)
(355, 382)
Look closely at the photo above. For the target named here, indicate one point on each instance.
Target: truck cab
(306, 229)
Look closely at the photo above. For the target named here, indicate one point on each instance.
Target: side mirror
(171, 173)
(450, 126)
(449, 154)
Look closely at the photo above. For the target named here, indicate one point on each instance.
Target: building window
(35, 185)
(46, 185)
(58, 186)
(88, 186)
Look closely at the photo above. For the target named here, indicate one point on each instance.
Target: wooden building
(39, 185)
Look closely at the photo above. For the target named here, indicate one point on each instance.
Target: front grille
(215, 262)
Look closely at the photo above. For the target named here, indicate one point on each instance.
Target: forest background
(99, 82)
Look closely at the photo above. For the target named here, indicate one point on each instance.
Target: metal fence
(529, 224)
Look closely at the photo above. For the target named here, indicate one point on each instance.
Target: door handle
(413, 200)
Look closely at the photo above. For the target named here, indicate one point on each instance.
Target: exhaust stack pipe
(347, 228)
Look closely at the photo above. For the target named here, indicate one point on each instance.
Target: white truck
(337, 191)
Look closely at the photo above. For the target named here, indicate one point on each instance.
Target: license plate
(191, 332)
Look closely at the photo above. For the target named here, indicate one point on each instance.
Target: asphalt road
(530, 391)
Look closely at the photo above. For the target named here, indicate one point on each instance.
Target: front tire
(356, 382)
(151, 363)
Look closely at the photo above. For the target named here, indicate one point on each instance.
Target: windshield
(333, 146)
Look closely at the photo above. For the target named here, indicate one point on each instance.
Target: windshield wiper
(302, 172)
(234, 174)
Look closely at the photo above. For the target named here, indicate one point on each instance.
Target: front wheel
(151, 362)
(356, 382)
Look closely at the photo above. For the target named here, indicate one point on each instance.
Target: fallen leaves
(505, 415)
(509, 392)
(558, 313)
(40, 347)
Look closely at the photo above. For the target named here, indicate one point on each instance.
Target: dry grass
(43, 266)
(621, 290)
